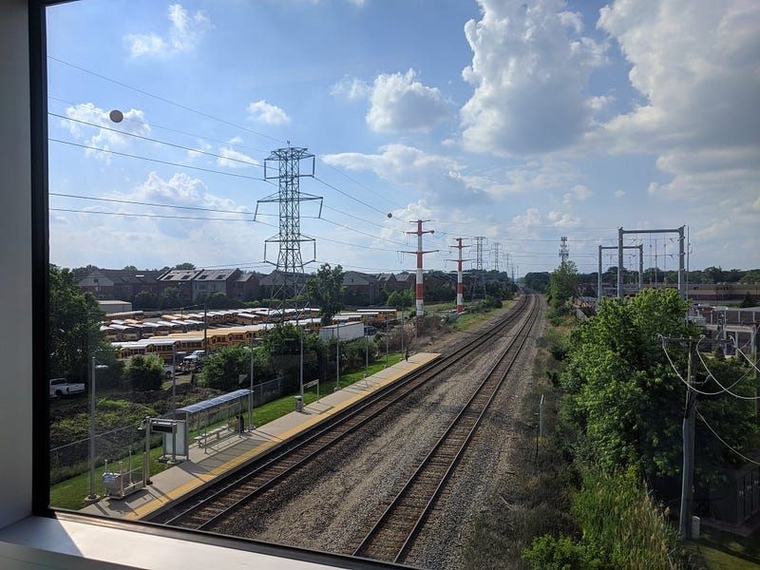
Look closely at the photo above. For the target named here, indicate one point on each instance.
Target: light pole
(250, 395)
(93, 496)
(337, 360)
(366, 354)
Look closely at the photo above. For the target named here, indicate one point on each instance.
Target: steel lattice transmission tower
(564, 251)
(289, 197)
(479, 275)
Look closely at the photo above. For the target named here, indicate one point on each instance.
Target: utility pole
(418, 286)
(479, 242)
(496, 250)
(460, 280)
(687, 471)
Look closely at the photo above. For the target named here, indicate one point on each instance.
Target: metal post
(173, 460)
(250, 395)
(366, 354)
(337, 359)
(641, 267)
(599, 280)
(92, 497)
(620, 264)
(687, 471)
(300, 372)
(146, 457)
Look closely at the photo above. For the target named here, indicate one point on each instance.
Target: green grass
(70, 494)
(720, 550)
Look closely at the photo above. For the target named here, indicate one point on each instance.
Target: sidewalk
(204, 465)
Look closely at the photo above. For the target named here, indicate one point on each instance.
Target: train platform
(217, 458)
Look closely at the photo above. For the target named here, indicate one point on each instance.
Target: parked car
(60, 387)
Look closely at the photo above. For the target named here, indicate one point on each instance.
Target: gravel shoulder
(325, 508)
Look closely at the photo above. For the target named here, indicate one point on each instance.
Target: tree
(627, 399)
(224, 368)
(748, 301)
(129, 268)
(75, 319)
(562, 283)
(185, 265)
(537, 281)
(170, 298)
(145, 372)
(400, 299)
(325, 289)
(145, 300)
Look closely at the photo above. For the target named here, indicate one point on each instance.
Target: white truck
(60, 387)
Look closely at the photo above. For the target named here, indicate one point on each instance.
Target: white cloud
(93, 125)
(231, 158)
(697, 66)
(530, 71)
(398, 103)
(184, 34)
(351, 88)
(563, 220)
(619, 193)
(266, 113)
(579, 193)
(531, 218)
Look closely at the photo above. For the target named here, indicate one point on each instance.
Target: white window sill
(38, 543)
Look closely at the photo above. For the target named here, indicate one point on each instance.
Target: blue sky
(520, 122)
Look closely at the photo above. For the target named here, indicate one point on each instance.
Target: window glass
(266, 146)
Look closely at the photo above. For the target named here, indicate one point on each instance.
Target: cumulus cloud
(578, 193)
(399, 103)
(697, 66)
(351, 88)
(530, 70)
(184, 34)
(619, 193)
(92, 124)
(563, 220)
(267, 113)
(231, 158)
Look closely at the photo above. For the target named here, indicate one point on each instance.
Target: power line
(149, 139)
(169, 129)
(156, 160)
(163, 99)
(720, 439)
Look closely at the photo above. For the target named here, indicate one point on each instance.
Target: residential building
(113, 284)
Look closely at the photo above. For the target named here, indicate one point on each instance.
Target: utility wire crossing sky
(516, 122)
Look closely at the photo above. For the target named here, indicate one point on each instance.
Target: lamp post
(250, 394)
(337, 359)
(93, 496)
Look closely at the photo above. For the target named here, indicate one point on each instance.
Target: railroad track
(390, 538)
(219, 502)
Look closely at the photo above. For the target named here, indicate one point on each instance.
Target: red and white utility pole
(419, 303)
(460, 281)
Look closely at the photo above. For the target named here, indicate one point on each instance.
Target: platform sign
(174, 435)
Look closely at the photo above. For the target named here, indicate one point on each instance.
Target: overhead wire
(150, 139)
(152, 126)
(156, 160)
(720, 439)
(165, 100)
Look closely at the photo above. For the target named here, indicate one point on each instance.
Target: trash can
(695, 524)
(299, 404)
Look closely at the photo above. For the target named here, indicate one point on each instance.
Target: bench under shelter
(217, 417)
